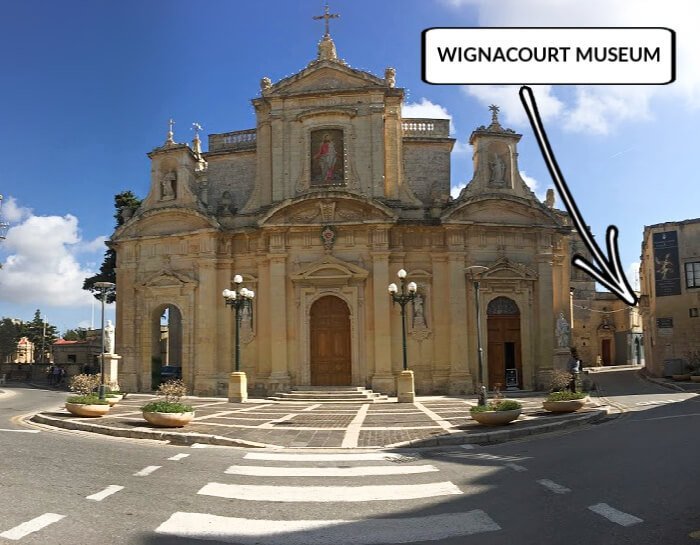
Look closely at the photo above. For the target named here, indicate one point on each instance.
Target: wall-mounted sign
(511, 378)
(667, 270)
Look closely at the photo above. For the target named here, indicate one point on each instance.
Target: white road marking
(146, 471)
(613, 515)
(178, 456)
(312, 407)
(19, 431)
(666, 417)
(444, 424)
(322, 532)
(554, 487)
(516, 467)
(267, 471)
(282, 457)
(466, 446)
(253, 492)
(34, 525)
(352, 435)
(99, 496)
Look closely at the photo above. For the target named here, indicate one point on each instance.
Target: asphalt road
(632, 479)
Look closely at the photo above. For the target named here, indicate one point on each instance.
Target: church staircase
(329, 394)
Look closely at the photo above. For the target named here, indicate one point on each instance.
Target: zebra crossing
(364, 492)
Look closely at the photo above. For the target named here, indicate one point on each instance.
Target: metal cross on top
(494, 113)
(327, 16)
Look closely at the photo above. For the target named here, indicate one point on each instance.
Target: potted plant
(113, 396)
(86, 403)
(169, 412)
(496, 413)
(559, 400)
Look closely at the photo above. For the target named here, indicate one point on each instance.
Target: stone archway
(504, 344)
(329, 336)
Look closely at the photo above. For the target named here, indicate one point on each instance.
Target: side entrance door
(505, 367)
(331, 363)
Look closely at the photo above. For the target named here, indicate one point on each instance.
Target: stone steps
(329, 394)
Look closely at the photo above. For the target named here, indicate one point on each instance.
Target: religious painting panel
(327, 157)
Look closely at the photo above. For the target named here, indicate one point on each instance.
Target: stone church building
(318, 207)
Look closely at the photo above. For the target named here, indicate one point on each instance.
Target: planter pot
(695, 378)
(570, 406)
(80, 409)
(496, 418)
(681, 377)
(114, 400)
(168, 420)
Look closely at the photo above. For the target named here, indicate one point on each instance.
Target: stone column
(277, 297)
(545, 316)
(461, 353)
(383, 378)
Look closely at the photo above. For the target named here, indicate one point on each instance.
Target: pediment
(330, 271)
(166, 279)
(505, 269)
(327, 209)
(504, 210)
(324, 76)
(164, 221)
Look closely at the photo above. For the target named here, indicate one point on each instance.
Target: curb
(185, 439)
(188, 439)
(663, 383)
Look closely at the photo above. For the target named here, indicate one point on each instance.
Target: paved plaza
(430, 421)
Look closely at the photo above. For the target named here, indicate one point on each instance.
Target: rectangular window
(693, 312)
(692, 275)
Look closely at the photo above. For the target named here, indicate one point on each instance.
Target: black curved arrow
(609, 269)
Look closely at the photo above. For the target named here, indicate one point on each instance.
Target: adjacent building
(670, 302)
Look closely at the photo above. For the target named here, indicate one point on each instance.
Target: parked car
(168, 372)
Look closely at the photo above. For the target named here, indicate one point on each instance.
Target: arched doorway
(503, 323)
(166, 343)
(331, 363)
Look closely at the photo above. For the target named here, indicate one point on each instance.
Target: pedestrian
(62, 376)
(49, 374)
(56, 375)
(574, 369)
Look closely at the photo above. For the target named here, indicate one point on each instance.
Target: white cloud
(455, 190)
(597, 109)
(508, 100)
(12, 212)
(42, 267)
(427, 109)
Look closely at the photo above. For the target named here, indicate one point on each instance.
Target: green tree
(79, 334)
(41, 333)
(124, 200)
(10, 333)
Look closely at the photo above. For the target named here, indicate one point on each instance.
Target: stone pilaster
(383, 378)
(279, 375)
(545, 315)
(460, 353)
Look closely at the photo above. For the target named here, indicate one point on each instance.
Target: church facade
(317, 208)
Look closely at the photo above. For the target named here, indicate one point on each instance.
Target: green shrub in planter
(565, 396)
(162, 406)
(86, 400)
(505, 405)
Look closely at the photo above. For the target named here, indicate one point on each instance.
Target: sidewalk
(430, 421)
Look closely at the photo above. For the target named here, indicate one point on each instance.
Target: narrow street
(631, 479)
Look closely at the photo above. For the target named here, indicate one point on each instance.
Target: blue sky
(86, 89)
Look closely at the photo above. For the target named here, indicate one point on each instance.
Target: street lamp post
(238, 299)
(103, 287)
(405, 388)
(3, 225)
(483, 396)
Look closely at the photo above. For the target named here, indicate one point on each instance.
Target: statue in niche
(247, 333)
(498, 170)
(225, 207)
(418, 312)
(562, 332)
(167, 186)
